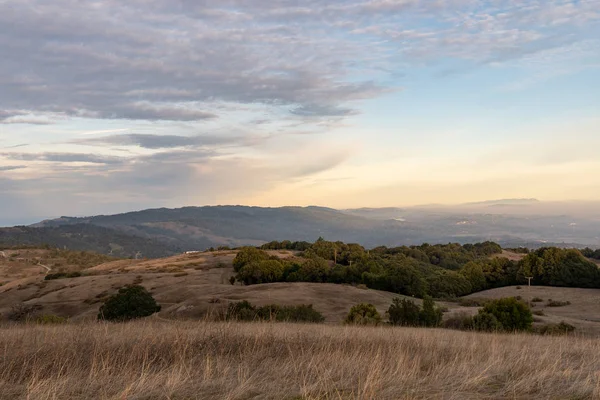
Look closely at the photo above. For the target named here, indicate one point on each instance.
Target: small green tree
(129, 303)
(430, 315)
(511, 313)
(363, 314)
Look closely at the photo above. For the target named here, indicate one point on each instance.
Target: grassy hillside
(195, 285)
(187, 286)
(200, 360)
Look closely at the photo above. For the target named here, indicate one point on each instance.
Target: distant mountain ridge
(163, 231)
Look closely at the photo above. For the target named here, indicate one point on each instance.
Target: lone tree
(131, 302)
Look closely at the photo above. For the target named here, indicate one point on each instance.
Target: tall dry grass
(208, 360)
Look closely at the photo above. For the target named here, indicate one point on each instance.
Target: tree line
(439, 271)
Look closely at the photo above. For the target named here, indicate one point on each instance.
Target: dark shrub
(556, 303)
(430, 315)
(50, 319)
(242, 311)
(23, 312)
(536, 300)
(62, 275)
(363, 314)
(300, 313)
(471, 302)
(461, 321)
(245, 311)
(486, 322)
(556, 329)
(404, 312)
(512, 314)
(131, 302)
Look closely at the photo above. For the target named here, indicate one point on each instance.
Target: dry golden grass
(206, 360)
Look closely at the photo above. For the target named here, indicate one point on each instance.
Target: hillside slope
(187, 286)
(194, 285)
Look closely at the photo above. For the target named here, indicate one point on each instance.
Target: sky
(109, 106)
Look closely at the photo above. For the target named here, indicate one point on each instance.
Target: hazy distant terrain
(162, 232)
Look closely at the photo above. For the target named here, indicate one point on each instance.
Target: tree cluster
(589, 253)
(405, 312)
(552, 266)
(440, 271)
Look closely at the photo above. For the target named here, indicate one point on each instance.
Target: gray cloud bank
(171, 59)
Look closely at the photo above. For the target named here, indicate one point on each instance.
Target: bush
(260, 272)
(555, 329)
(245, 311)
(23, 312)
(48, 319)
(461, 321)
(62, 275)
(300, 313)
(536, 300)
(241, 311)
(403, 312)
(430, 315)
(131, 302)
(471, 302)
(512, 314)
(363, 314)
(557, 303)
(486, 322)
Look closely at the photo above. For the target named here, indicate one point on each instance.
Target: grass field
(204, 360)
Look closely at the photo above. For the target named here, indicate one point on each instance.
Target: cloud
(63, 158)
(315, 110)
(152, 60)
(158, 141)
(11, 167)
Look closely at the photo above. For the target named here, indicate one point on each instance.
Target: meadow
(160, 359)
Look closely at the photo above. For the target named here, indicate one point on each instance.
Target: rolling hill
(190, 286)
